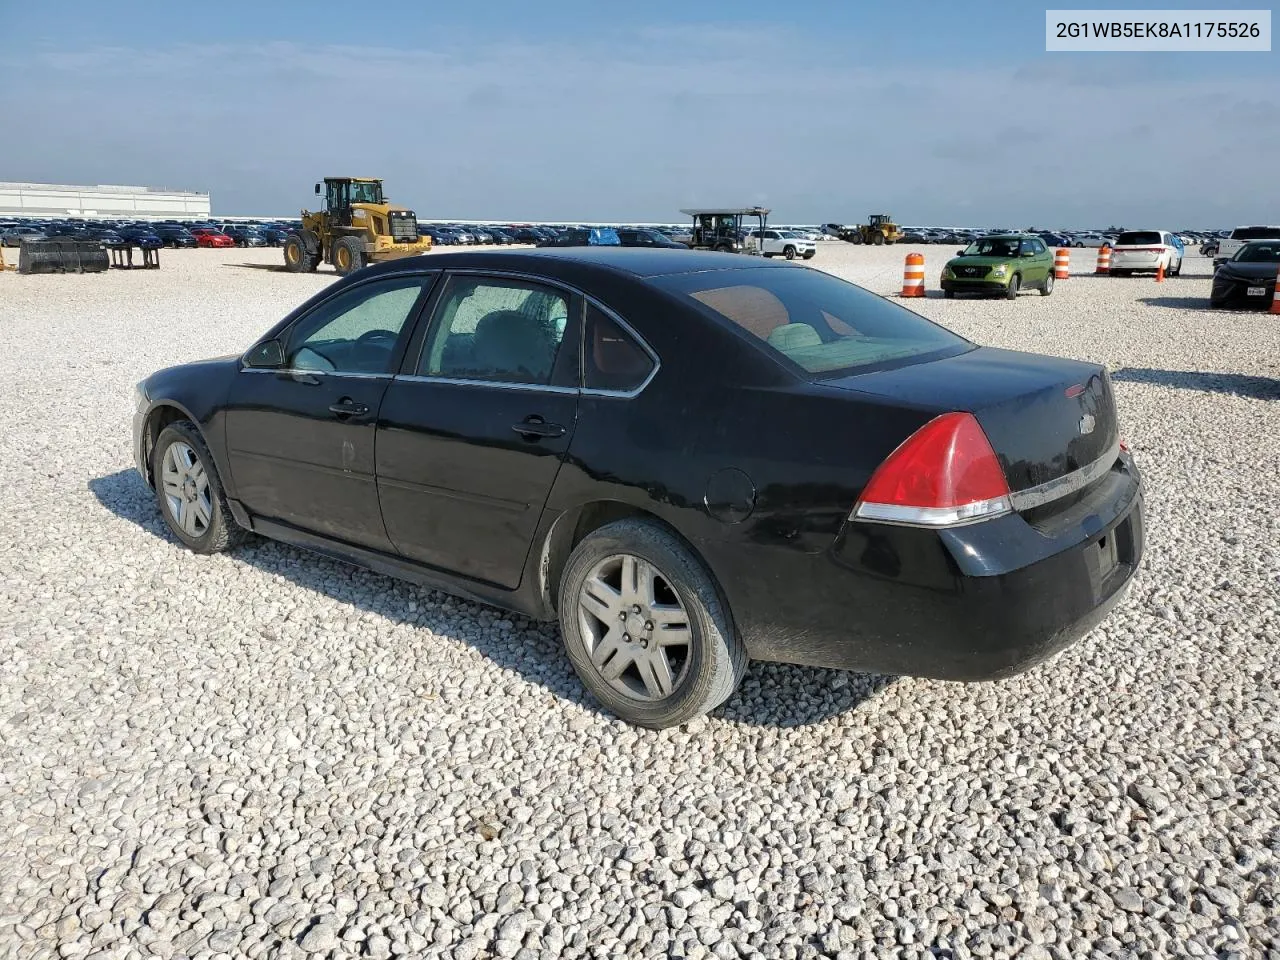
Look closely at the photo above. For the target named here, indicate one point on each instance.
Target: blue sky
(599, 111)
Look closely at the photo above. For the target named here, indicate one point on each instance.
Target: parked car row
(565, 234)
(1054, 238)
(150, 233)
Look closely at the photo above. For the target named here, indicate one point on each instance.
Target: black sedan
(176, 237)
(1248, 279)
(690, 459)
(642, 237)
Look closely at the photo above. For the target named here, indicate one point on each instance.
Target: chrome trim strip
(933, 517)
(317, 373)
(1063, 486)
(500, 384)
(944, 517)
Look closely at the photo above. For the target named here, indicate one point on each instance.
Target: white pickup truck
(784, 243)
(1239, 237)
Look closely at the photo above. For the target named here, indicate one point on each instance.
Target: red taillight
(944, 474)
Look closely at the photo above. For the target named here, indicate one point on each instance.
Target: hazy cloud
(637, 125)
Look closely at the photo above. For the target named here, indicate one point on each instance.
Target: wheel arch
(576, 524)
(161, 414)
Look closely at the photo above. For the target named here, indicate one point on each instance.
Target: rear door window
(500, 330)
(812, 320)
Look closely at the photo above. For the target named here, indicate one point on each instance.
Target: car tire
(348, 255)
(296, 258)
(1015, 284)
(948, 294)
(789, 253)
(190, 494)
(594, 604)
(1046, 288)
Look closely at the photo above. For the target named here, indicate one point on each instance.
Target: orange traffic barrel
(1275, 297)
(1104, 260)
(913, 276)
(1061, 263)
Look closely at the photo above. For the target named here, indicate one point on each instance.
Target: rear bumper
(1134, 261)
(977, 602)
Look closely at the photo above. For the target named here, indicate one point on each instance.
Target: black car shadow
(771, 694)
(276, 267)
(1202, 303)
(1257, 388)
(1190, 303)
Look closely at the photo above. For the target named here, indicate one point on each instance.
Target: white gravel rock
(269, 754)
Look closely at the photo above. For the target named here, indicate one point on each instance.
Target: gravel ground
(269, 754)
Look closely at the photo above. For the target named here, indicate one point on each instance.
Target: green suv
(1002, 264)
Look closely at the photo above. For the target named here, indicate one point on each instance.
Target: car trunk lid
(1046, 418)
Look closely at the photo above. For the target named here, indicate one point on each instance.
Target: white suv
(1146, 250)
(1239, 237)
(785, 243)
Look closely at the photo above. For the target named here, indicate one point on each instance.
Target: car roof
(634, 261)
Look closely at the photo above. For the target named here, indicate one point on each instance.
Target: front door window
(356, 331)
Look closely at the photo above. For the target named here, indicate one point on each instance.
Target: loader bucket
(62, 256)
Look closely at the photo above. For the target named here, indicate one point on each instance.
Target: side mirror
(317, 189)
(268, 355)
(959, 253)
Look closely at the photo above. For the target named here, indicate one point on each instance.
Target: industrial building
(104, 200)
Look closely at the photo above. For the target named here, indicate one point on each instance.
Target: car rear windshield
(1139, 238)
(820, 323)
(1255, 233)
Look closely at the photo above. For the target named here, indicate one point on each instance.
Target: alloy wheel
(635, 626)
(186, 489)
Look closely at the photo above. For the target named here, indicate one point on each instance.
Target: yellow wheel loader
(878, 230)
(356, 227)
